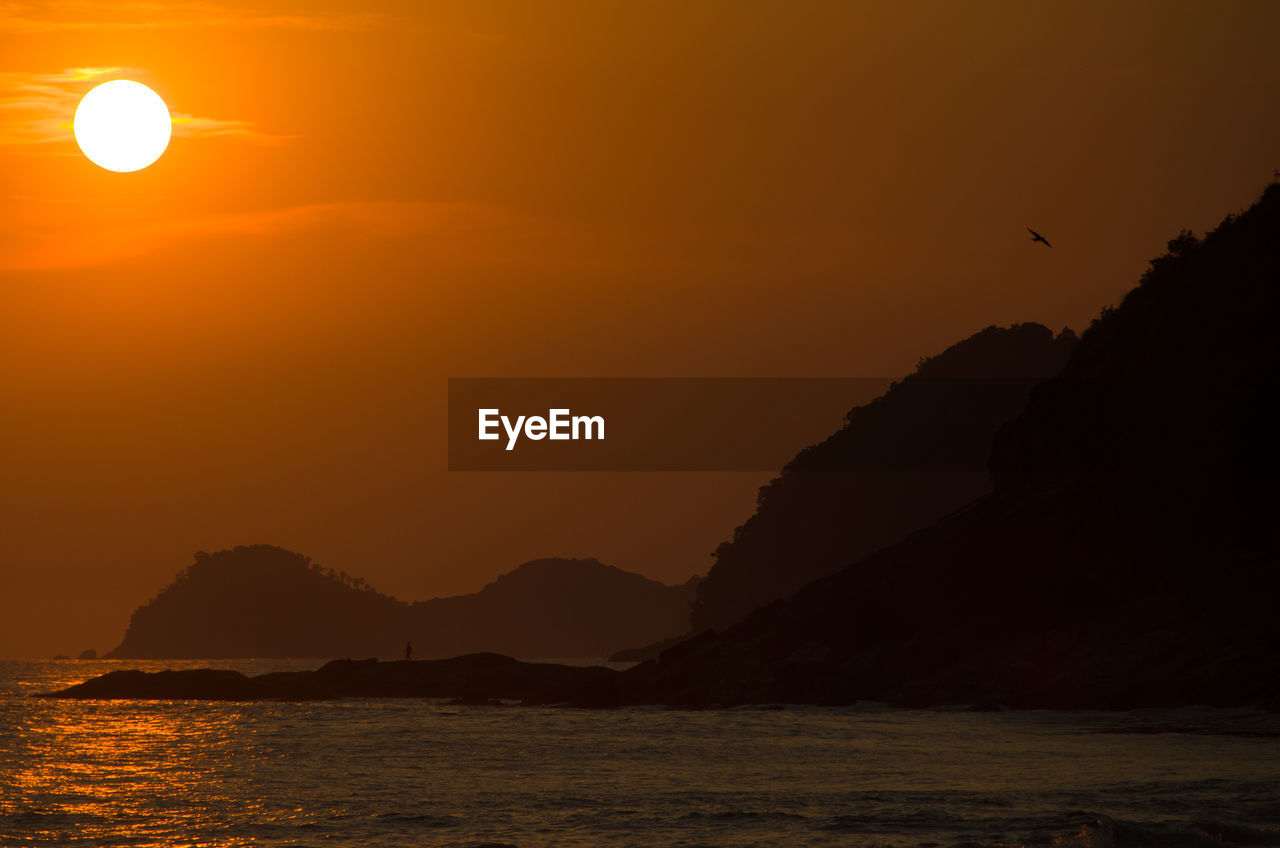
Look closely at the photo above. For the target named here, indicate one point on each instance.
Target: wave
(1106, 832)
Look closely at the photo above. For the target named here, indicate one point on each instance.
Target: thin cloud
(71, 15)
(456, 235)
(190, 126)
(38, 108)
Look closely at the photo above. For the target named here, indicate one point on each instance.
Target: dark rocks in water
(88, 654)
(61, 657)
(204, 684)
(475, 678)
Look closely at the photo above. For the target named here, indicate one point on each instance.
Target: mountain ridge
(1127, 555)
(265, 601)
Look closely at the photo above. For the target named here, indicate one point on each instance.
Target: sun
(122, 125)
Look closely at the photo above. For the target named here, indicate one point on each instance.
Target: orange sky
(248, 341)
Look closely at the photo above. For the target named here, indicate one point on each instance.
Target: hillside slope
(1127, 557)
(555, 608)
(900, 463)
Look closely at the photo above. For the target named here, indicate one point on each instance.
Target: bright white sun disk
(122, 125)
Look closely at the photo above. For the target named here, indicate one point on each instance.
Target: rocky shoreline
(495, 679)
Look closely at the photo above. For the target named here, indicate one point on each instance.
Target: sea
(408, 772)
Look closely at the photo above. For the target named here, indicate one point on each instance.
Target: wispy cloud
(190, 126)
(39, 107)
(69, 15)
(452, 235)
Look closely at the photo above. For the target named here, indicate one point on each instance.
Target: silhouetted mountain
(264, 601)
(899, 464)
(1128, 555)
(555, 608)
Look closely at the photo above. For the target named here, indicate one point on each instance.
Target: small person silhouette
(408, 650)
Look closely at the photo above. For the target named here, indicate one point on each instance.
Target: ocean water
(414, 772)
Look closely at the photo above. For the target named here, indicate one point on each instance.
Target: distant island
(265, 601)
(1126, 554)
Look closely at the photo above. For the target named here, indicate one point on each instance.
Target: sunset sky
(249, 340)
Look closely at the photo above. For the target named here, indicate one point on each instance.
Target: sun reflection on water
(397, 772)
(118, 772)
(110, 767)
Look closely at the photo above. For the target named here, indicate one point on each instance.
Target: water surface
(415, 772)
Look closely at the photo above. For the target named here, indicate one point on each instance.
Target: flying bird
(1035, 237)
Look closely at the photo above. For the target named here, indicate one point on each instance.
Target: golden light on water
(119, 772)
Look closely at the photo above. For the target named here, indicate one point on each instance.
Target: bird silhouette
(1035, 237)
